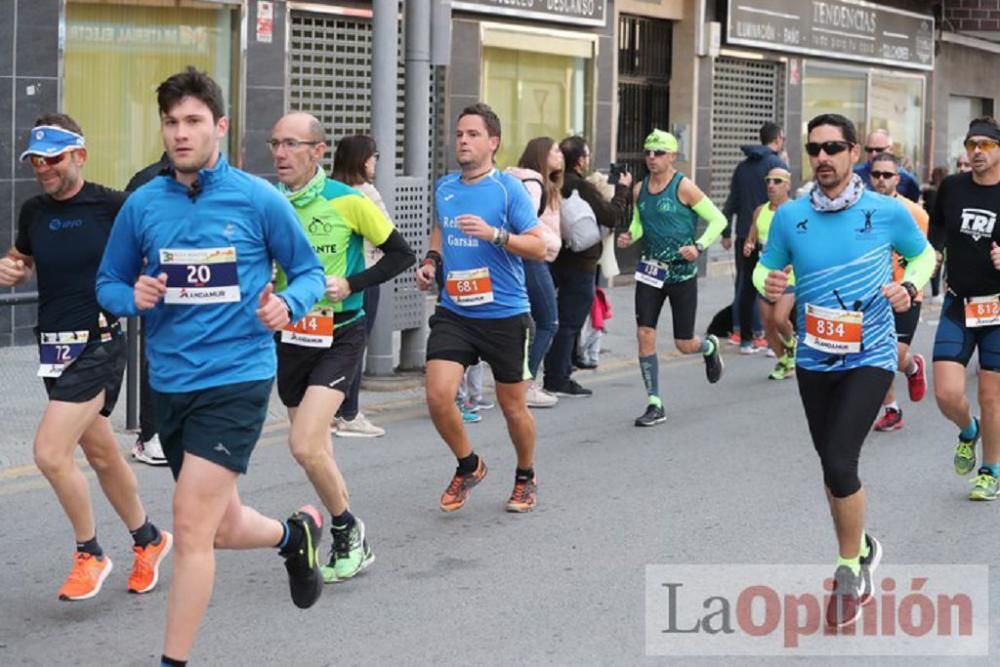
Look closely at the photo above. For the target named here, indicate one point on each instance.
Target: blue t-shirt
(841, 261)
(502, 201)
(195, 345)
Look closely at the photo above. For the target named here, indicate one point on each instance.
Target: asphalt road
(730, 479)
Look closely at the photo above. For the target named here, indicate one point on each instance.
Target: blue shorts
(956, 342)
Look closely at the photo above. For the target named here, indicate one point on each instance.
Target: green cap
(662, 141)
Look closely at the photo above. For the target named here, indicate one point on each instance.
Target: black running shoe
(570, 388)
(652, 416)
(846, 598)
(304, 577)
(713, 362)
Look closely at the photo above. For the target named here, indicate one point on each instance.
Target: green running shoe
(785, 368)
(985, 486)
(965, 453)
(350, 553)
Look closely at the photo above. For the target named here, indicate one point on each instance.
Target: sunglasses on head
(775, 180)
(828, 147)
(884, 174)
(654, 153)
(39, 160)
(982, 144)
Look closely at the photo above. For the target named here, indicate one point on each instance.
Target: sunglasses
(983, 145)
(828, 147)
(884, 174)
(775, 181)
(877, 149)
(39, 160)
(656, 153)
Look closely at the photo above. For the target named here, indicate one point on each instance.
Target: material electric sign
(579, 12)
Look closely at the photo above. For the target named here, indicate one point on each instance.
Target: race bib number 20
(200, 275)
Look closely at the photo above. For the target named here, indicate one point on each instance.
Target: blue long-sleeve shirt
(193, 347)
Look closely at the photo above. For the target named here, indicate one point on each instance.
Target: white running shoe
(359, 427)
(149, 452)
(539, 398)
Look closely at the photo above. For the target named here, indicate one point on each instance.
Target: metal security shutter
(330, 68)
(745, 94)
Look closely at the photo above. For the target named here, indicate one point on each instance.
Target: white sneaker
(359, 427)
(150, 452)
(539, 398)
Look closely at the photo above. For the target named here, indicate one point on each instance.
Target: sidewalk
(24, 395)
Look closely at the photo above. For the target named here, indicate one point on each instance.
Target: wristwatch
(700, 248)
(911, 289)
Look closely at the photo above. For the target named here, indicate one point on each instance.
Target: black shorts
(333, 367)
(100, 367)
(683, 306)
(502, 343)
(956, 342)
(221, 424)
(906, 323)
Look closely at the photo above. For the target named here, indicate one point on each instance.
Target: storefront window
(115, 56)
(536, 94)
(897, 105)
(832, 90)
(872, 99)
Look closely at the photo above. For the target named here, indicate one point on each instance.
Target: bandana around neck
(846, 199)
(308, 192)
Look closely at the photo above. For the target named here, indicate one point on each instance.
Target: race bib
(58, 350)
(199, 276)
(470, 288)
(982, 311)
(651, 272)
(832, 330)
(313, 330)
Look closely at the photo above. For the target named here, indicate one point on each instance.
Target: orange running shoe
(86, 578)
(522, 499)
(458, 491)
(146, 566)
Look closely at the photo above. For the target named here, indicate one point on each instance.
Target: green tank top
(764, 219)
(667, 224)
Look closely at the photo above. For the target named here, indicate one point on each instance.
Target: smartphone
(615, 171)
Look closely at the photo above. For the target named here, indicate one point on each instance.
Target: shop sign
(579, 12)
(842, 29)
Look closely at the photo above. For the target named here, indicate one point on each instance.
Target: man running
(202, 240)
(61, 235)
(964, 226)
(884, 179)
(665, 220)
(839, 241)
(777, 325)
(485, 224)
(319, 354)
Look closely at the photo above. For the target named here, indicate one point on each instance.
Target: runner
(964, 225)
(839, 241)
(485, 224)
(202, 240)
(319, 355)
(665, 219)
(61, 236)
(776, 315)
(885, 177)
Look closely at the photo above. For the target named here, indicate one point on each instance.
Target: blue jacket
(748, 190)
(193, 347)
(908, 186)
